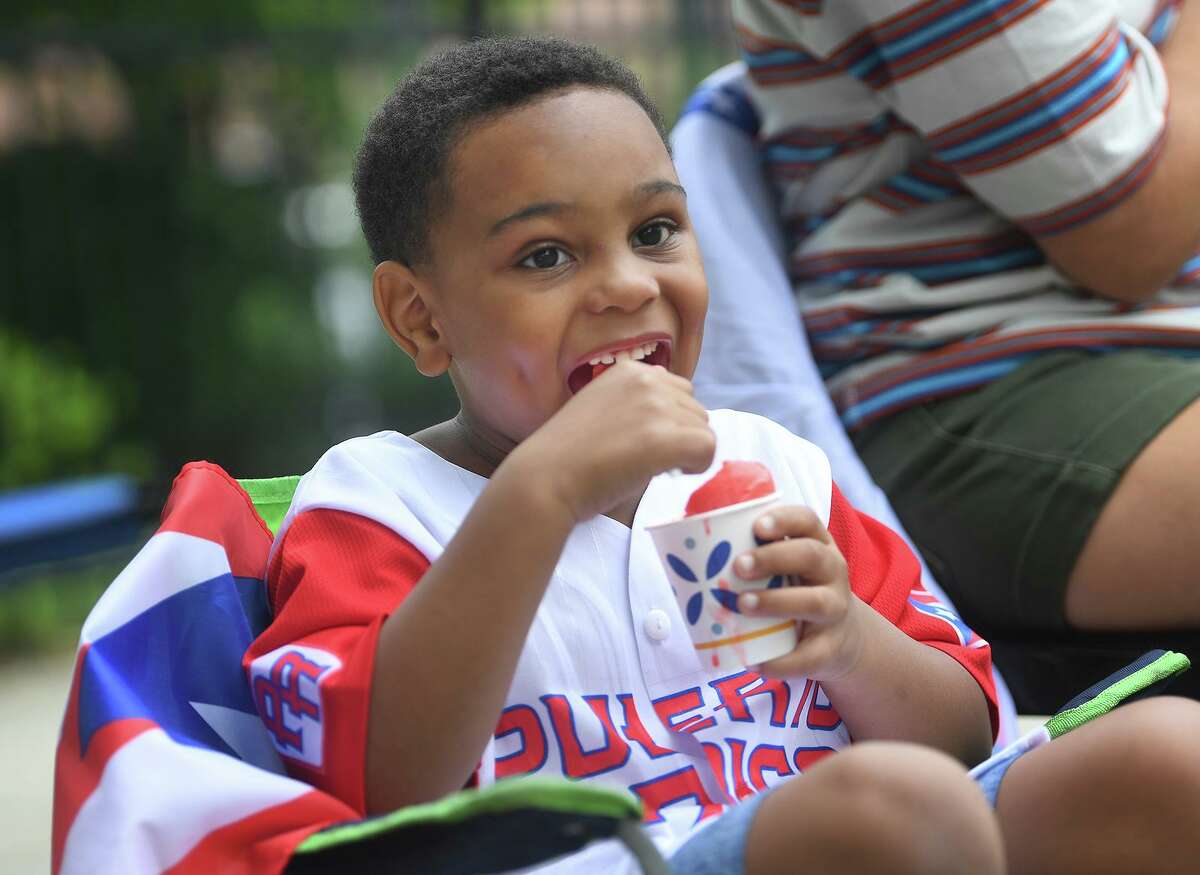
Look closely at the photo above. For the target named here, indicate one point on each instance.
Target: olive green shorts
(1000, 487)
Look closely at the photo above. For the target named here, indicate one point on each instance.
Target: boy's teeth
(637, 354)
(644, 350)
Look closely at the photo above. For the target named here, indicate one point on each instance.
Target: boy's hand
(828, 615)
(632, 422)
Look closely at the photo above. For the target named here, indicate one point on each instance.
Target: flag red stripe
(208, 503)
(262, 843)
(76, 775)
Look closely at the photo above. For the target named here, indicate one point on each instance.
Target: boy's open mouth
(653, 352)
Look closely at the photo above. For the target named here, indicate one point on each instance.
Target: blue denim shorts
(720, 847)
(989, 773)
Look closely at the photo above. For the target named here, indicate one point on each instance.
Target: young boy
(480, 600)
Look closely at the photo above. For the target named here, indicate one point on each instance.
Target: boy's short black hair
(400, 170)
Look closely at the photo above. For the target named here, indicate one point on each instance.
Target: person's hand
(630, 423)
(795, 544)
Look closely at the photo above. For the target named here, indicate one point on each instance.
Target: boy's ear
(400, 301)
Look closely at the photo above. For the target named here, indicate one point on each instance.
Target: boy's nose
(623, 284)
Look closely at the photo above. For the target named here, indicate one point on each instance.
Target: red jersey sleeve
(885, 574)
(334, 579)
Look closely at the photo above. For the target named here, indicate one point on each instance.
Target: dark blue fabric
(187, 648)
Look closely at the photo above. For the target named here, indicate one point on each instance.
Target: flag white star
(244, 733)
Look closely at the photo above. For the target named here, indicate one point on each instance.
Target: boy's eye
(545, 258)
(654, 234)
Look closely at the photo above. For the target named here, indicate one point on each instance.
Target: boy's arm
(446, 656)
(903, 689)
(921, 674)
(410, 660)
(895, 664)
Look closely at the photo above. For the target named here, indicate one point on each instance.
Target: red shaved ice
(734, 483)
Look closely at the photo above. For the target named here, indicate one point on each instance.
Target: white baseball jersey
(608, 687)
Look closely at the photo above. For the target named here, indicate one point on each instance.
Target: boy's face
(566, 241)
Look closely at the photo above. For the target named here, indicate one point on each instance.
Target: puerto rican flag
(163, 762)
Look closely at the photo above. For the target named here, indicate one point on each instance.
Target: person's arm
(1135, 249)
(1054, 115)
(446, 657)
(884, 682)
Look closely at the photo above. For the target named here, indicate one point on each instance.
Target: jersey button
(657, 625)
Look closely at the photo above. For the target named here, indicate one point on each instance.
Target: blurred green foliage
(157, 281)
(154, 253)
(45, 613)
(181, 275)
(54, 417)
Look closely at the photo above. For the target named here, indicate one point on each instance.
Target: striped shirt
(917, 148)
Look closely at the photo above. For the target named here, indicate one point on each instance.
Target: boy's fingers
(791, 521)
(694, 450)
(804, 558)
(675, 381)
(818, 604)
(813, 653)
(693, 409)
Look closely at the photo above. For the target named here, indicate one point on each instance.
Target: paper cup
(697, 553)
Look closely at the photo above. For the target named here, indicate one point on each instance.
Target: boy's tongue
(734, 483)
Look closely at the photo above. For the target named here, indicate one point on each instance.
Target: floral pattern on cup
(717, 559)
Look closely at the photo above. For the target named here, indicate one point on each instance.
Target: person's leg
(1120, 795)
(1076, 473)
(877, 807)
(1140, 566)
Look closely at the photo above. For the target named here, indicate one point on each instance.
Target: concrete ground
(33, 694)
